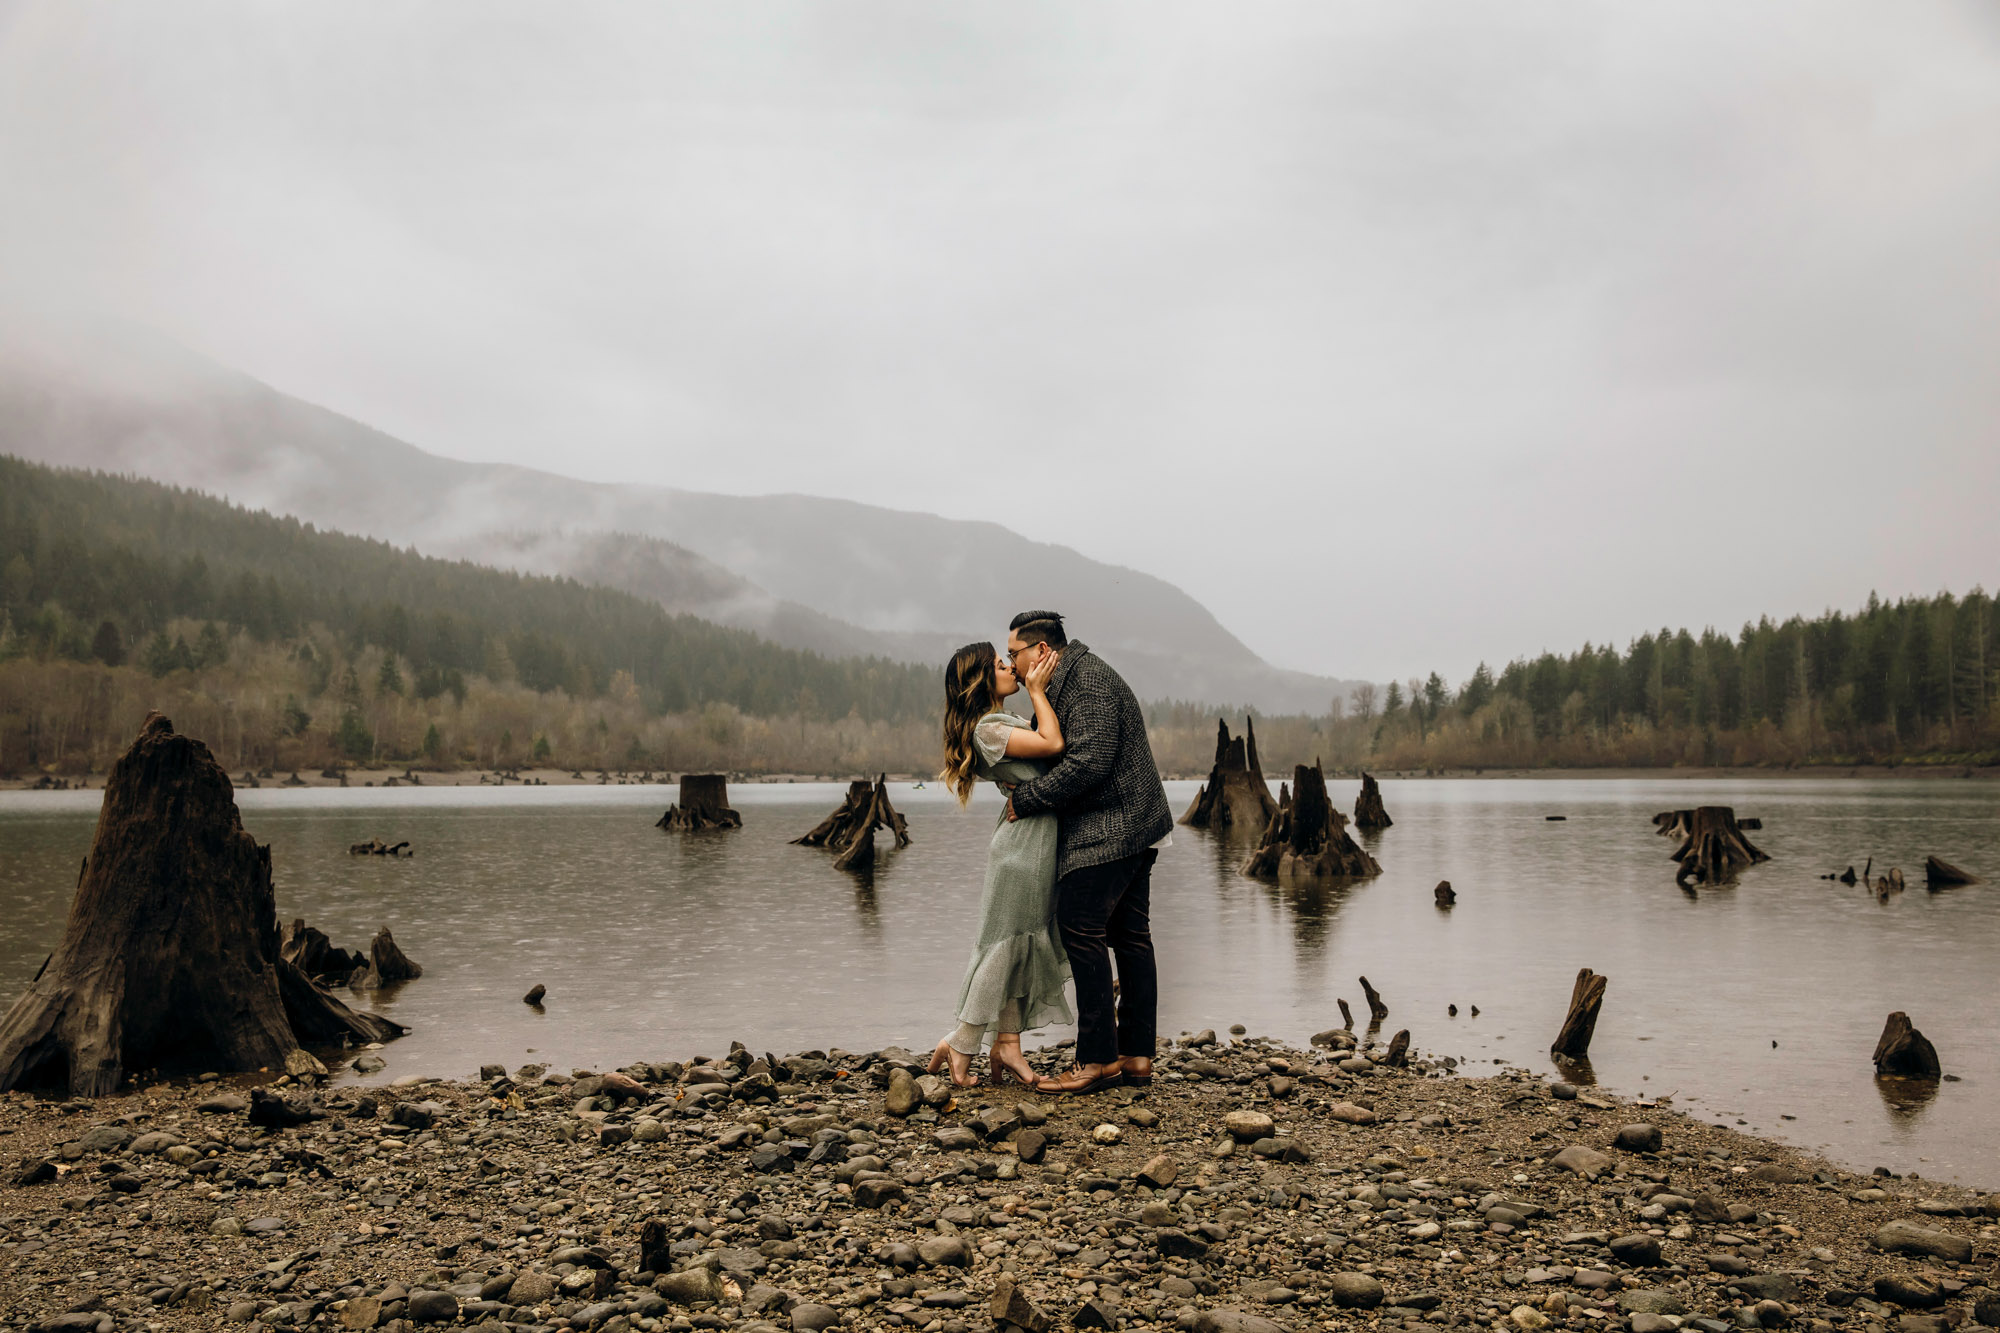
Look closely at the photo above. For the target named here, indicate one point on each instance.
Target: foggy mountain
(834, 576)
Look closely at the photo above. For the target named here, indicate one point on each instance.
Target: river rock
(1159, 1173)
(903, 1096)
(1987, 1310)
(158, 1141)
(1528, 1319)
(935, 1090)
(1587, 1162)
(1767, 1287)
(1177, 1244)
(105, 1138)
(1010, 1305)
(1909, 1238)
(1350, 1114)
(690, 1286)
(431, 1307)
(1913, 1290)
(945, 1252)
(1030, 1145)
(1235, 1321)
(1651, 1300)
(1356, 1291)
(1247, 1126)
(1639, 1138)
(1637, 1250)
(811, 1317)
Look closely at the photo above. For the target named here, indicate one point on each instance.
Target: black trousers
(1104, 910)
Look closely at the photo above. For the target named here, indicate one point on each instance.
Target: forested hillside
(147, 581)
(1917, 679)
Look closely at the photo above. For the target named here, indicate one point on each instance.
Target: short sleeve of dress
(989, 736)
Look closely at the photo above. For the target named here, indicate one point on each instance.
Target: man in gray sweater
(1112, 823)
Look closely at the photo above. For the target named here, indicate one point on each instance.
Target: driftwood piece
(1444, 895)
(535, 995)
(1573, 1042)
(1889, 883)
(849, 832)
(1307, 838)
(1904, 1052)
(377, 847)
(1369, 812)
(1712, 847)
(388, 964)
(704, 804)
(170, 958)
(1346, 1015)
(1942, 874)
(1377, 1010)
(1235, 799)
(310, 950)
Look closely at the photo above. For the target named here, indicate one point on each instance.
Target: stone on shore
(1639, 1138)
(1909, 1238)
(1584, 1161)
(1355, 1291)
(1247, 1126)
(903, 1096)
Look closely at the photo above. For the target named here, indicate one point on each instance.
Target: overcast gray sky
(1402, 335)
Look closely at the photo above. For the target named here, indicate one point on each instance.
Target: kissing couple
(1069, 871)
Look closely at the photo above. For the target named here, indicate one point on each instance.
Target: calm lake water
(1757, 1004)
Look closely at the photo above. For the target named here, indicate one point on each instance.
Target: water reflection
(1906, 1099)
(1579, 1071)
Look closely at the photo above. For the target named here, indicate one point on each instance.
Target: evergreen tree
(108, 646)
(389, 680)
(211, 649)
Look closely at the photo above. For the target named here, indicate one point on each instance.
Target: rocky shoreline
(1253, 1187)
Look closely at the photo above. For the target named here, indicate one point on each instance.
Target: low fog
(1399, 336)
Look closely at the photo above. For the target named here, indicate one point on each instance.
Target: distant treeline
(287, 647)
(1916, 680)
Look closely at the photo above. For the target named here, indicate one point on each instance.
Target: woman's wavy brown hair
(968, 696)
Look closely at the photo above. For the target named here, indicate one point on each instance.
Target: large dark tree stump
(1904, 1052)
(1573, 1042)
(1712, 847)
(1235, 799)
(1369, 813)
(387, 964)
(1941, 874)
(1307, 839)
(849, 832)
(170, 960)
(704, 804)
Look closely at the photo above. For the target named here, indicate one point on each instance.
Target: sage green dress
(1014, 980)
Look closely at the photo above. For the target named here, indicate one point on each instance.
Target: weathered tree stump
(1377, 1010)
(1573, 1042)
(1941, 874)
(849, 832)
(170, 959)
(1904, 1052)
(377, 847)
(310, 950)
(704, 804)
(1889, 883)
(1444, 895)
(1236, 799)
(387, 964)
(1346, 1015)
(1712, 847)
(1307, 838)
(1368, 809)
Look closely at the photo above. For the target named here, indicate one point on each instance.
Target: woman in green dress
(1014, 980)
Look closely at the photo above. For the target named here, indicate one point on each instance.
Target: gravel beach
(1251, 1187)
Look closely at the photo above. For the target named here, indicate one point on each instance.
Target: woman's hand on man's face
(1038, 675)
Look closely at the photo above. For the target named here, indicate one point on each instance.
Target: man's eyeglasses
(1013, 653)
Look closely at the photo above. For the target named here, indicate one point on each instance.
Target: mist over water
(657, 946)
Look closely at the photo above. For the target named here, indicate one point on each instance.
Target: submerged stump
(1369, 812)
(704, 804)
(388, 964)
(849, 832)
(170, 959)
(1236, 798)
(1307, 838)
(1904, 1052)
(312, 952)
(1712, 846)
(1942, 874)
(1580, 1024)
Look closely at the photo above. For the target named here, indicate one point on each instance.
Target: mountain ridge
(833, 575)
